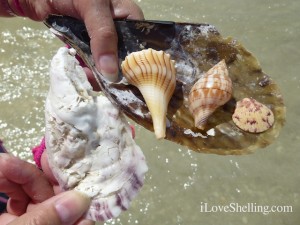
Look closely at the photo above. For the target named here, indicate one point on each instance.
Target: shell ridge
(134, 68)
(169, 89)
(139, 62)
(164, 69)
(129, 70)
(207, 107)
(148, 62)
(159, 66)
(217, 89)
(167, 75)
(126, 68)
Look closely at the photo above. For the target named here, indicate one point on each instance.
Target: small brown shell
(153, 73)
(252, 116)
(209, 92)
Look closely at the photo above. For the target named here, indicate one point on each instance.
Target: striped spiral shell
(209, 92)
(252, 116)
(153, 73)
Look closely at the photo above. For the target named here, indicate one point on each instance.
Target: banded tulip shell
(212, 90)
(252, 116)
(153, 73)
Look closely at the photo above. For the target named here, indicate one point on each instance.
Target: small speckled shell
(153, 73)
(209, 92)
(252, 116)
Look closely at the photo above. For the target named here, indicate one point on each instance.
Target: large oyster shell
(88, 141)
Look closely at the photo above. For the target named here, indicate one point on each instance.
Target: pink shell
(209, 92)
(252, 116)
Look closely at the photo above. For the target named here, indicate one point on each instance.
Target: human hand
(98, 16)
(32, 199)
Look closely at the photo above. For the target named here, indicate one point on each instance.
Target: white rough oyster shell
(89, 143)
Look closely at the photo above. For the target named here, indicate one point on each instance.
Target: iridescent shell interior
(195, 49)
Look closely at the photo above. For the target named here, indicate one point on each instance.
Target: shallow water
(179, 182)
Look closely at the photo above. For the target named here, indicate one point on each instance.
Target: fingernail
(71, 206)
(109, 67)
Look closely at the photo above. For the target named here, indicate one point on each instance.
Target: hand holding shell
(195, 48)
(88, 141)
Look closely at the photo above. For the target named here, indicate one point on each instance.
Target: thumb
(63, 209)
(100, 26)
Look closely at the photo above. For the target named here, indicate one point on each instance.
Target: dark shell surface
(195, 49)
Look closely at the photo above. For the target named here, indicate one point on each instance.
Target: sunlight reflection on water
(178, 180)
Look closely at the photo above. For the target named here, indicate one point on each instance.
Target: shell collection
(212, 90)
(193, 47)
(89, 142)
(252, 116)
(153, 73)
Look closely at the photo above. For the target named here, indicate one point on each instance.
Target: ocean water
(181, 185)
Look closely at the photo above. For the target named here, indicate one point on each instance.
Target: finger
(85, 222)
(126, 9)
(66, 208)
(100, 26)
(18, 200)
(6, 218)
(31, 179)
(46, 169)
(103, 35)
(48, 173)
(34, 9)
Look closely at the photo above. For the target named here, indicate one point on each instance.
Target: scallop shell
(153, 73)
(212, 90)
(89, 143)
(252, 116)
